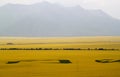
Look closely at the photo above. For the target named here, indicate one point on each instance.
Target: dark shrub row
(54, 49)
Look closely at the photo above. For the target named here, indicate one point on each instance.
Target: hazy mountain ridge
(46, 19)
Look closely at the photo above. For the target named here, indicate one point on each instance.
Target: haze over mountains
(46, 19)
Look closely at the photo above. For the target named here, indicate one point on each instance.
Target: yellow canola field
(46, 63)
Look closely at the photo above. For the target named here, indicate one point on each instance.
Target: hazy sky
(111, 7)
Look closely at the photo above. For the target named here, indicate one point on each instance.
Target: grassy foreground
(46, 63)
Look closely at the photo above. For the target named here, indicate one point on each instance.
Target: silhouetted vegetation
(10, 44)
(101, 49)
(116, 61)
(65, 61)
(12, 62)
(107, 61)
(56, 49)
(71, 48)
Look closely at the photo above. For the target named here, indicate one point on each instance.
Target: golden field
(45, 63)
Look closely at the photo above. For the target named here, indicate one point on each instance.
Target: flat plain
(46, 63)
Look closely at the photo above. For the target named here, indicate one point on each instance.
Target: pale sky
(112, 7)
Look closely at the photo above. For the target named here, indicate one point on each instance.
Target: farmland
(58, 60)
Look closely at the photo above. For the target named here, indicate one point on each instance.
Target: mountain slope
(46, 19)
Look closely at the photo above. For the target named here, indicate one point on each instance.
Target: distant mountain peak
(77, 7)
(51, 19)
(45, 2)
(42, 3)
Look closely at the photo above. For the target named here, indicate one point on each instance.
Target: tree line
(57, 49)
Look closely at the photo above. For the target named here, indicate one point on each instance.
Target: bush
(65, 61)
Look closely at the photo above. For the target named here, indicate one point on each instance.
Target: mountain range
(48, 19)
